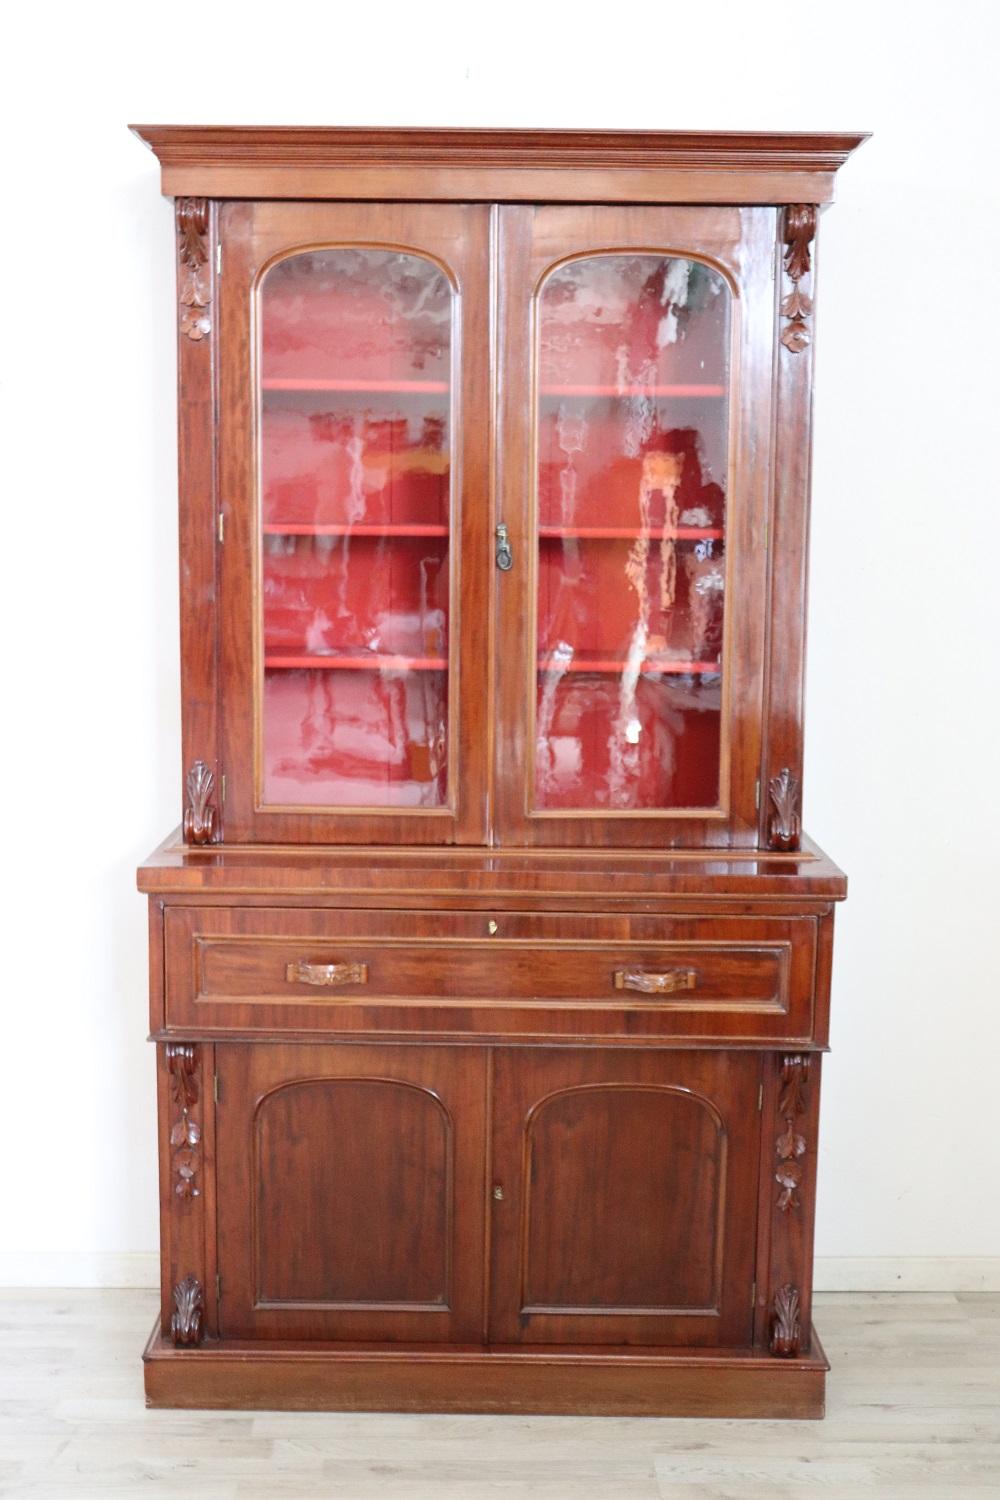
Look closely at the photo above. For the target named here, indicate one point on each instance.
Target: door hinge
(218, 1287)
(760, 1098)
(756, 795)
(222, 787)
(220, 527)
(753, 1297)
(215, 1088)
(218, 257)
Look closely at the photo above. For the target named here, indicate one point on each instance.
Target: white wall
(903, 719)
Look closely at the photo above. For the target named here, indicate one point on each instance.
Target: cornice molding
(292, 145)
(222, 160)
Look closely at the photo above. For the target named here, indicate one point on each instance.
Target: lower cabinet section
(522, 1195)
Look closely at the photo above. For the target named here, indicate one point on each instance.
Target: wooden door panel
(628, 1197)
(598, 1151)
(611, 729)
(351, 1192)
(388, 1196)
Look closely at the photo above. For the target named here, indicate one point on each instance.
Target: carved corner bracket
(798, 233)
(784, 828)
(200, 815)
(187, 1323)
(185, 1132)
(786, 1324)
(193, 282)
(791, 1144)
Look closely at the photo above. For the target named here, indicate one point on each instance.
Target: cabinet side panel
(789, 524)
(197, 346)
(185, 1091)
(790, 1123)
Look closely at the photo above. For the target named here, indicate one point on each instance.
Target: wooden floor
(913, 1410)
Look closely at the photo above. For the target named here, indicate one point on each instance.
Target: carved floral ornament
(798, 235)
(185, 1132)
(193, 285)
(790, 1146)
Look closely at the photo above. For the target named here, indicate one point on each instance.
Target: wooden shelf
(370, 661)
(309, 528)
(622, 391)
(616, 665)
(615, 533)
(362, 387)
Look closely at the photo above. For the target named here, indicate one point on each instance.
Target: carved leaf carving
(182, 1061)
(186, 1325)
(786, 1328)
(186, 1132)
(798, 234)
(794, 1086)
(797, 304)
(790, 1145)
(193, 287)
(199, 814)
(783, 792)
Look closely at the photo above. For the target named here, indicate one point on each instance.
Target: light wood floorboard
(913, 1411)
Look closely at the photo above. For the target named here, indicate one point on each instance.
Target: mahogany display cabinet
(489, 968)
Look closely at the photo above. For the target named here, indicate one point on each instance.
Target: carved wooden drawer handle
(299, 973)
(648, 983)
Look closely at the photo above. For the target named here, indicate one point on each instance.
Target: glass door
(361, 490)
(632, 497)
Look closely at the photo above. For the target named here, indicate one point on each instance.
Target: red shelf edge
(280, 660)
(614, 533)
(308, 528)
(632, 390)
(397, 387)
(610, 664)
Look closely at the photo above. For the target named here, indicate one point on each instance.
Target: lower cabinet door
(351, 1191)
(624, 1196)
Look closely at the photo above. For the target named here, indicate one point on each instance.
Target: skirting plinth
(325, 1377)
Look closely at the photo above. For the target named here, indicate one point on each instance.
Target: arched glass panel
(355, 466)
(632, 369)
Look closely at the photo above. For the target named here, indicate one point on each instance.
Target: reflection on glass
(355, 464)
(633, 368)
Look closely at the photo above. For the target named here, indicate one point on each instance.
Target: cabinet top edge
(479, 872)
(222, 160)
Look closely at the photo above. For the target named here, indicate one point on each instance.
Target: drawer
(294, 970)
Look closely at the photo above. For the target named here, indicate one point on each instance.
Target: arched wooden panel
(362, 1168)
(640, 1172)
(624, 1195)
(353, 1204)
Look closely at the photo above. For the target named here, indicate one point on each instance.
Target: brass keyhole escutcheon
(498, 1192)
(492, 928)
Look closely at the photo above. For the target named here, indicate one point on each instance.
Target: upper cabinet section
(494, 456)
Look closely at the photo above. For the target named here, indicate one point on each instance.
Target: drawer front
(257, 969)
